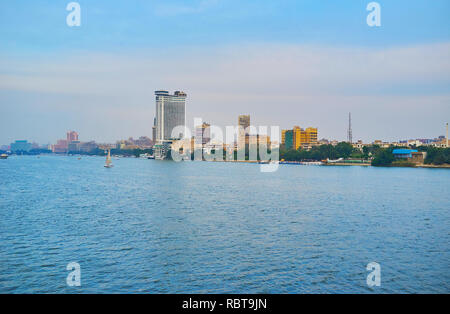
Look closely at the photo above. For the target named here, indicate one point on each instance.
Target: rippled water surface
(198, 227)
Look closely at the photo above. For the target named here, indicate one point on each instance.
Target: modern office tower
(170, 112)
(203, 134)
(72, 136)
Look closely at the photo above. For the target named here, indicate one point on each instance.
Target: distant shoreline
(443, 166)
(446, 166)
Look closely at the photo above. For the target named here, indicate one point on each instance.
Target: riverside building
(170, 113)
(298, 137)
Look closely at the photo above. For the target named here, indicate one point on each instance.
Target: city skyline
(73, 135)
(282, 73)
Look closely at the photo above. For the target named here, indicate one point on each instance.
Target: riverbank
(347, 164)
(300, 163)
(444, 166)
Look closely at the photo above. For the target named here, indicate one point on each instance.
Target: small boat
(334, 161)
(3, 156)
(108, 163)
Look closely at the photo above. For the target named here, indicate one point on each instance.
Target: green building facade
(289, 139)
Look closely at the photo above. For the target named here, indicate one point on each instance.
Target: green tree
(383, 158)
(344, 149)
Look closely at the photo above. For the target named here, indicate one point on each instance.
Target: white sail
(108, 160)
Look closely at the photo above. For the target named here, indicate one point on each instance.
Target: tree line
(322, 152)
(435, 156)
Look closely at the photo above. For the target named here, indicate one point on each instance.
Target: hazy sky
(285, 63)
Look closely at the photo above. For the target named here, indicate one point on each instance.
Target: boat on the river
(108, 163)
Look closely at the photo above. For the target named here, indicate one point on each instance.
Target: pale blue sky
(284, 62)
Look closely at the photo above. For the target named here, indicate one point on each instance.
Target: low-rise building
(87, 147)
(20, 146)
(74, 146)
(418, 157)
(61, 146)
(299, 138)
(444, 143)
(403, 153)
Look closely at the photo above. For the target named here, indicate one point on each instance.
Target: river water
(149, 226)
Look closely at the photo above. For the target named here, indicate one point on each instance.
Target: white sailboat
(108, 163)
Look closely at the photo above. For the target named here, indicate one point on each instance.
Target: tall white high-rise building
(170, 113)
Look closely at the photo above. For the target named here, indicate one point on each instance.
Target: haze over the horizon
(285, 63)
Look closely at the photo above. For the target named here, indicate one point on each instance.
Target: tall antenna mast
(446, 138)
(349, 134)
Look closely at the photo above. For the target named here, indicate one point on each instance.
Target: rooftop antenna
(349, 134)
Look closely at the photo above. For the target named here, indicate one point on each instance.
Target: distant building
(299, 137)
(259, 139)
(311, 136)
(381, 143)
(72, 136)
(403, 153)
(414, 142)
(418, 157)
(87, 147)
(411, 155)
(359, 145)
(243, 124)
(142, 142)
(170, 113)
(289, 139)
(443, 143)
(377, 142)
(20, 146)
(61, 146)
(202, 134)
(74, 146)
(283, 137)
